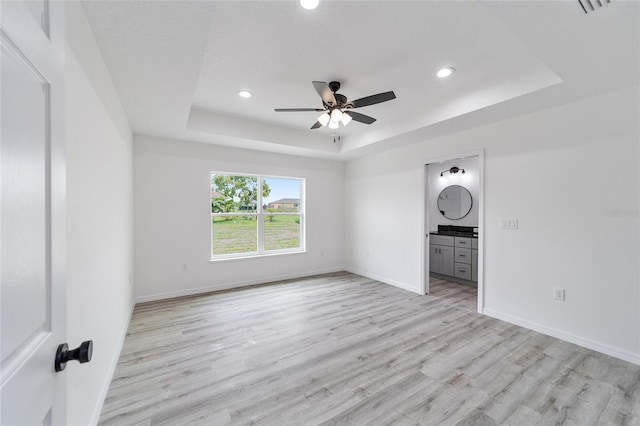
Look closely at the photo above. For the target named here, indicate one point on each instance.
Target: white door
(32, 215)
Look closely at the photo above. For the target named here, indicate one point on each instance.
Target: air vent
(592, 5)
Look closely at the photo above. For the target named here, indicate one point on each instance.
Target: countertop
(455, 234)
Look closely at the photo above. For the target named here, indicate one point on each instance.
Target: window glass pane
(233, 194)
(281, 231)
(234, 234)
(281, 195)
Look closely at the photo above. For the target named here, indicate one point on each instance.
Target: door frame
(424, 226)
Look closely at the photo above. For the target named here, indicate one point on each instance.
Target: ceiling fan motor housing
(341, 100)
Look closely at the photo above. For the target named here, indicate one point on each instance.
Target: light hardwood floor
(343, 349)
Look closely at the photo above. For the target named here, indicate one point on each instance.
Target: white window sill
(256, 256)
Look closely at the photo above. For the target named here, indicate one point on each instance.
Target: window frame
(260, 214)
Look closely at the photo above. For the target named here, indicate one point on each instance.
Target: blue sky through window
(282, 188)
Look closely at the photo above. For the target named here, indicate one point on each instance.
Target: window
(246, 221)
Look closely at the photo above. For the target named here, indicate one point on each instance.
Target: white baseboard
(385, 280)
(229, 286)
(571, 338)
(114, 363)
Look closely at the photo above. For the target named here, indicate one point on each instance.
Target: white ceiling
(179, 65)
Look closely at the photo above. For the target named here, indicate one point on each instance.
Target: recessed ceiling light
(309, 4)
(245, 94)
(445, 72)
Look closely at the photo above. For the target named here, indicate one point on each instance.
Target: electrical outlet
(184, 267)
(558, 294)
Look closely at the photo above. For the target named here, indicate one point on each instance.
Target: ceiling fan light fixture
(309, 4)
(346, 118)
(336, 115)
(324, 118)
(445, 72)
(334, 124)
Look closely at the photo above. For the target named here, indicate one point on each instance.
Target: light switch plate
(510, 223)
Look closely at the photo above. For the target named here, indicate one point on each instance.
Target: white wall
(173, 214)
(99, 219)
(468, 180)
(560, 172)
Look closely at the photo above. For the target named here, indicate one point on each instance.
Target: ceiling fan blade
(317, 125)
(298, 109)
(325, 92)
(373, 99)
(360, 117)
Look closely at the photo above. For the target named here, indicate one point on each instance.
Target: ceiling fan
(337, 109)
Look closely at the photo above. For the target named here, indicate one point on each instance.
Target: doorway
(453, 221)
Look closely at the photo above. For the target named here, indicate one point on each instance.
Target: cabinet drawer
(474, 243)
(463, 255)
(462, 270)
(463, 242)
(442, 240)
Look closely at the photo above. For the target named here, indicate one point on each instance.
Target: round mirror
(454, 202)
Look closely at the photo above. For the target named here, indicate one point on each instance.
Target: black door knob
(81, 354)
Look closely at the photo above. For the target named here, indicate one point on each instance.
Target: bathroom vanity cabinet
(454, 256)
(441, 255)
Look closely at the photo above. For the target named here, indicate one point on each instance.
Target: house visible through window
(246, 221)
